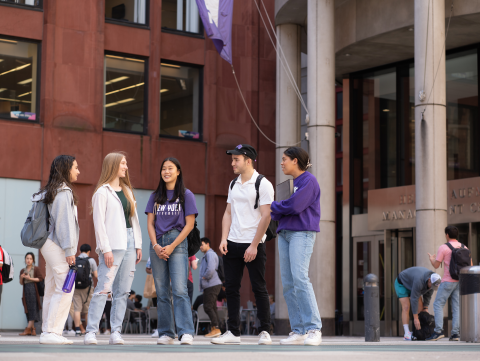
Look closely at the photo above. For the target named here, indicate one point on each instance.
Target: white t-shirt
(245, 218)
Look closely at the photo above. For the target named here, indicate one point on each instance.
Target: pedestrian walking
(210, 285)
(299, 222)
(119, 245)
(245, 221)
(171, 212)
(449, 288)
(30, 277)
(60, 248)
(86, 272)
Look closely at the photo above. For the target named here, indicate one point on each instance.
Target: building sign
(394, 208)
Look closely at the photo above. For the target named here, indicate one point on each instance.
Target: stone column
(321, 106)
(288, 109)
(431, 131)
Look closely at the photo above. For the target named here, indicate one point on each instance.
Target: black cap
(244, 149)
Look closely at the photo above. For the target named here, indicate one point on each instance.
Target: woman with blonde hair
(119, 245)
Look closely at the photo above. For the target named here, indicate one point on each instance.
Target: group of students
(171, 213)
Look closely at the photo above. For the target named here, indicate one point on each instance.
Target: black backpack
(461, 257)
(427, 327)
(83, 279)
(193, 237)
(271, 231)
(220, 270)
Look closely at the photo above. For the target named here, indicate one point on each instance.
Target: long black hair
(59, 174)
(178, 192)
(303, 159)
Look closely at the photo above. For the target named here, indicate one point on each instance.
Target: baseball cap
(436, 280)
(244, 149)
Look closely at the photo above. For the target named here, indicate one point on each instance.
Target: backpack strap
(257, 188)
(450, 246)
(232, 183)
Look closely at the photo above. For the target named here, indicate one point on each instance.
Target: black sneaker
(435, 337)
(454, 337)
(78, 333)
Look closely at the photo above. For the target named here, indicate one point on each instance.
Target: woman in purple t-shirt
(298, 223)
(171, 212)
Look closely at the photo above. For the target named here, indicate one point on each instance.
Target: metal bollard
(371, 308)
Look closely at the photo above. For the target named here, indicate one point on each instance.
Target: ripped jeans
(116, 280)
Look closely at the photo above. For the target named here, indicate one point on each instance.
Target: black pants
(190, 291)
(233, 263)
(210, 295)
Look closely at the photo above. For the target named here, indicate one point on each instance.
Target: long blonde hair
(110, 167)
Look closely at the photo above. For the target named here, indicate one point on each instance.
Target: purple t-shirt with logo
(170, 215)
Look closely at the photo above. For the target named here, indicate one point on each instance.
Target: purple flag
(217, 19)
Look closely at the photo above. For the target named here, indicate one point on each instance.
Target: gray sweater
(415, 279)
(208, 270)
(64, 228)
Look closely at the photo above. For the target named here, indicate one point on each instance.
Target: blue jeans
(446, 290)
(295, 249)
(116, 280)
(175, 269)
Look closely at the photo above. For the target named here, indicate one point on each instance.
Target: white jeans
(56, 303)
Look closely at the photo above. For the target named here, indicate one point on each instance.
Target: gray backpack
(35, 230)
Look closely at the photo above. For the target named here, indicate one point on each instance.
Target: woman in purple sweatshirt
(298, 222)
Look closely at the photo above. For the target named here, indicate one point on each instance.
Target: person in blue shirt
(298, 223)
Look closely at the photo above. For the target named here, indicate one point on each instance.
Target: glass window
(181, 15)
(124, 106)
(129, 11)
(18, 79)
(180, 100)
(33, 3)
(462, 115)
(339, 105)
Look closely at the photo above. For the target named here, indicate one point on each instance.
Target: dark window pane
(462, 115)
(339, 171)
(18, 79)
(180, 101)
(133, 11)
(22, 2)
(339, 105)
(181, 15)
(340, 138)
(124, 93)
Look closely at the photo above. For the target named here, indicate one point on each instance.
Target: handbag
(149, 289)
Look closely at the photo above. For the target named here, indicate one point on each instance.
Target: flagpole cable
(280, 53)
(251, 116)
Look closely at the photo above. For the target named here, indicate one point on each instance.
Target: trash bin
(470, 304)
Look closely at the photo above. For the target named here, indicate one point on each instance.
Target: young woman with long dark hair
(29, 278)
(119, 245)
(299, 222)
(60, 248)
(171, 212)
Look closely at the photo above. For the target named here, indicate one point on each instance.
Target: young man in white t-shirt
(243, 237)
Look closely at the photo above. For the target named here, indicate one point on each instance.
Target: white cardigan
(109, 221)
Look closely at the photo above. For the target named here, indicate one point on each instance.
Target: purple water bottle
(70, 280)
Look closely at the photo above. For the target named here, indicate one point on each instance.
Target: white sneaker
(107, 332)
(264, 338)
(186, 339)
(155, 334)
(116, 339)
(293, 339)
(165, 340)
(314, 338)
(90, 338)
(407, 336)
(226, 339)
(51, 338)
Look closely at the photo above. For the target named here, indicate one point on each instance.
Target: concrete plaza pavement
(144, 348)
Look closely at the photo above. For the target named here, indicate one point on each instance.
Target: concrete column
(321, 106)
(288, 109)
(431, 131)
